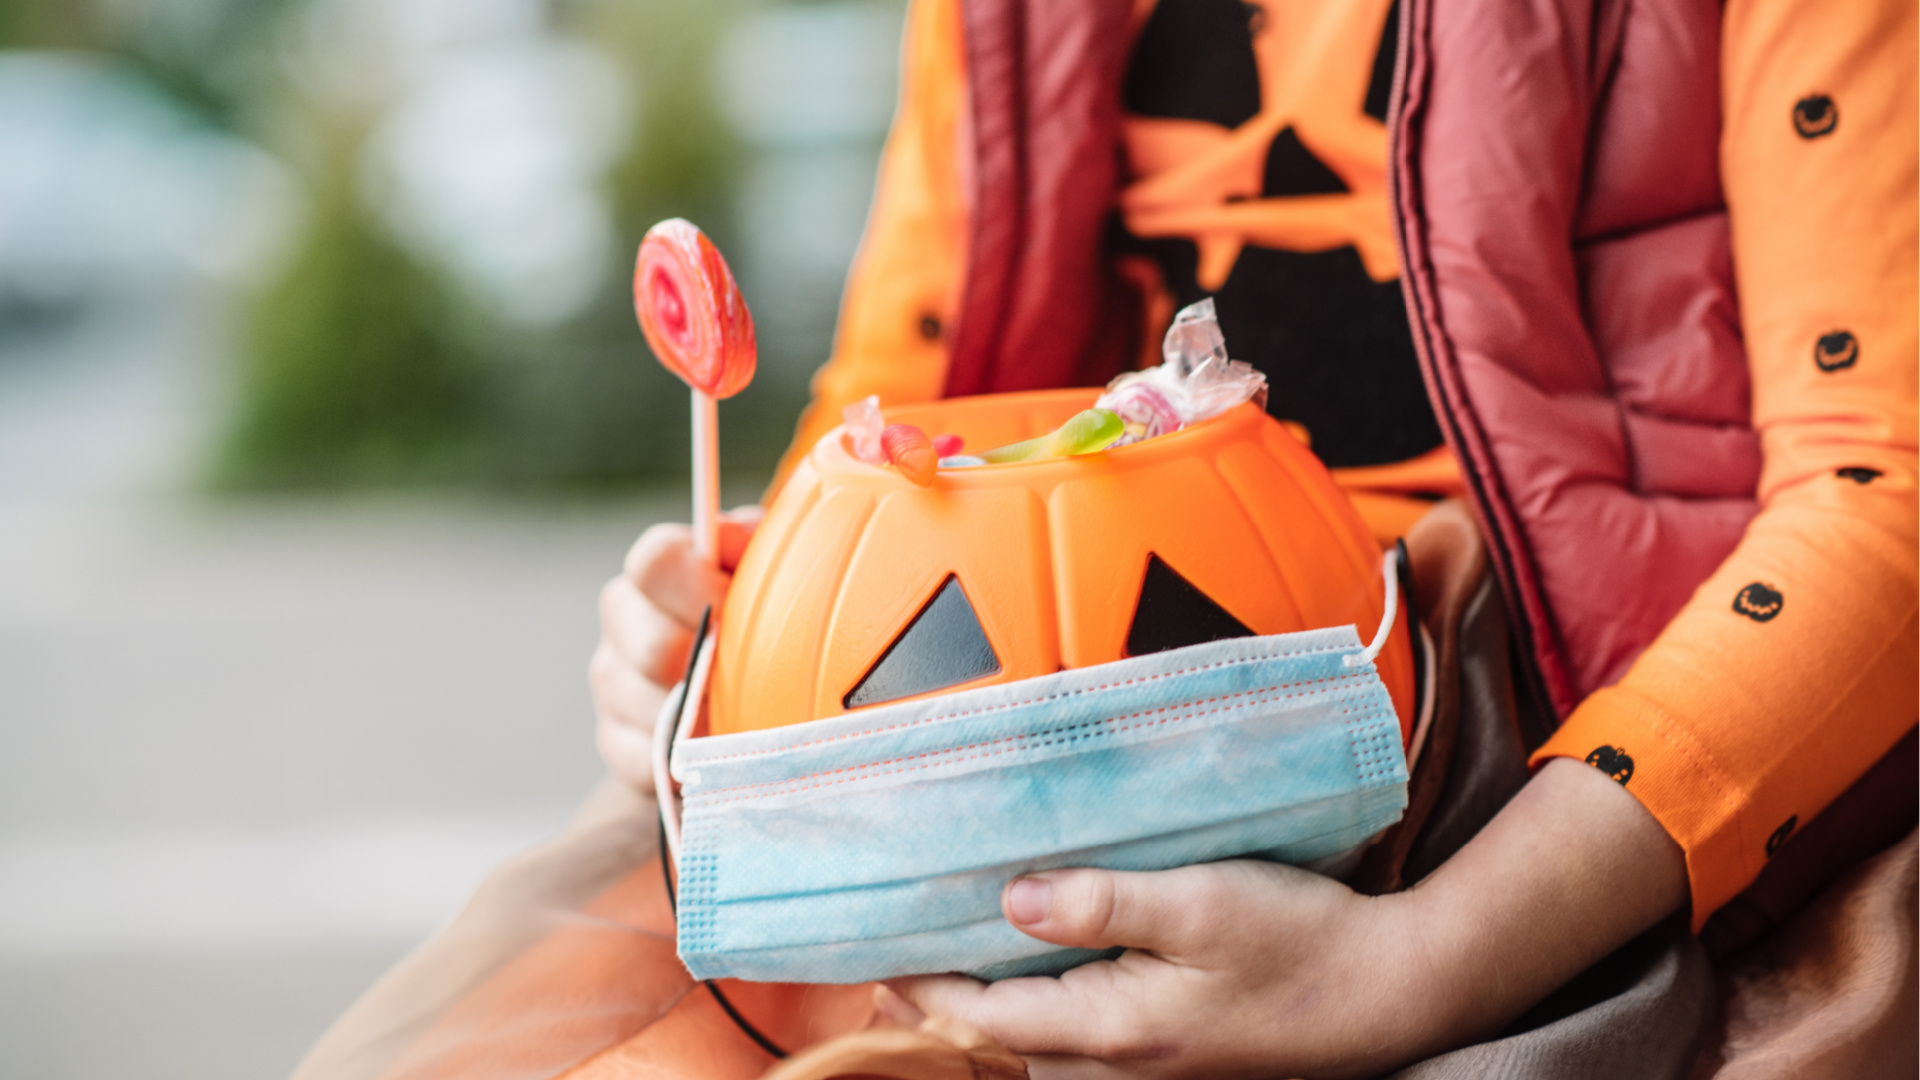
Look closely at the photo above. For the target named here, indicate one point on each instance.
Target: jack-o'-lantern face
(861, 588)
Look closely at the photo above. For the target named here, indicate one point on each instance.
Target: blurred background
(323, 415)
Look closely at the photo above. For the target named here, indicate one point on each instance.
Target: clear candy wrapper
(864, 425)
(1195, 382)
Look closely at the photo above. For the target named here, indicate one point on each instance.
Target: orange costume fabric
(904, 288)
(1794, 667)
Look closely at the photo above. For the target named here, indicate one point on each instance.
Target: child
(1311, 978)
(1716, 597)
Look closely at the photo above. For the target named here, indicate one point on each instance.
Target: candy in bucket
(1195, 382)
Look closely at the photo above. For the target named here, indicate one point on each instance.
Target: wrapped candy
(1194, 340)
(908, 449)
(876, 442)
(1143, 407)
(1088, 431)
(1195, 382)
(864, 425)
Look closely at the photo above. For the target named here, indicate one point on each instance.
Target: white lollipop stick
(706, 476)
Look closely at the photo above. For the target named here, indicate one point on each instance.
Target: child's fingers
(641, 636)
(896, 1008)
(626, 709)
(647, 616)
(1039, 1016)
(736, 528)
(662, 565)
(621, 693)
(627, 751)
(1163, 912)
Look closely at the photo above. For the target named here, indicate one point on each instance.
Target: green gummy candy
(1088, 431)
(1094, 429)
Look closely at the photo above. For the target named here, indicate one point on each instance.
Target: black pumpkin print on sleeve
(1781, 834)
(1759, 602)
(1613, 761)
(1815, 115)
(1836, 351)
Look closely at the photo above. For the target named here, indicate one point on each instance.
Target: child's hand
(1244, 968)
(647, 618)
(1233, 969)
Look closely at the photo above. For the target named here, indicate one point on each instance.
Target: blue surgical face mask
(876, 843)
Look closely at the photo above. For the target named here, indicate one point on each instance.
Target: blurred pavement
(250, 751)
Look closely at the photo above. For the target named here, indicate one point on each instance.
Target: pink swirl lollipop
(691, 311)
(698, 326)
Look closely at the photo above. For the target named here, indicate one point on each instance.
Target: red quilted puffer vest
(1567, 276)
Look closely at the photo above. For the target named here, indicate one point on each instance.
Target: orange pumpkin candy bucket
(862, 588)
(864, 592)
(1230, 524)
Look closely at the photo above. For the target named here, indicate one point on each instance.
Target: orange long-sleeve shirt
(905, 284)
(1794, 666)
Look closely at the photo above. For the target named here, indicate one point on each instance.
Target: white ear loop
(1389, 573)
(678, 714)
(663, 729)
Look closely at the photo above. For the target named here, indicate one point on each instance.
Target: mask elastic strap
(664, 727)
(1390, 575)
(674, 716)
(677, 716)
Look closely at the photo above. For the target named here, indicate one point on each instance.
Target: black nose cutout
(1173, 614)
(943, 646)
(1815, 115)
(1836, 351)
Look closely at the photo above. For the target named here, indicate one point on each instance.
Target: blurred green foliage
(360, 370)
(588, 405)
(46, 24)
(211, 56)
(350, 369)
(362, 364)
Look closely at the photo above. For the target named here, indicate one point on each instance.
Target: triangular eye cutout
(943, 646)
(1172, 614)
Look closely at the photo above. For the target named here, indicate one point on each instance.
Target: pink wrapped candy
(864, 425)
(1195, 382)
